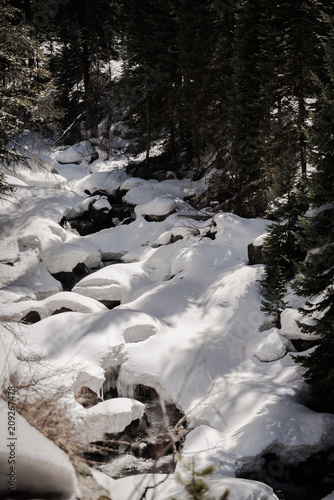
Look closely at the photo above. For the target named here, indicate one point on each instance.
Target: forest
(241, 91)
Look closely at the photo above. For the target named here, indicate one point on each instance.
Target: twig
(153, 487)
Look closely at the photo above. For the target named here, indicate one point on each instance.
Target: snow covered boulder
(290, 328)
(56, 303)
(76, 153)
(156, 210)
(255, 250)
(272, 347)
(110, 416)
(31, 463)
(113, 283)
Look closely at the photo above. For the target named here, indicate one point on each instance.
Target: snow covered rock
(290, 328)
(272, 347)
(68, 300)
(110, 416)
(106, 181)
(113, 282)
(30, 463)
(158, 208)
(75, 154)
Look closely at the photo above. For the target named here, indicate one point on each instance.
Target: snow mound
(105, 181)
(74, 154)
(110, 416)
(39, 466)
(272, 347)
(290, 328)
(48, 306)
(158, 206)
(162, 487)
(114, 282)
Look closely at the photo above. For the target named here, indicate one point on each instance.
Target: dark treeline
(241, 88)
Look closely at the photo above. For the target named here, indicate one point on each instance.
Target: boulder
(255, 254)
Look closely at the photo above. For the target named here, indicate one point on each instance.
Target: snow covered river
(177, 312)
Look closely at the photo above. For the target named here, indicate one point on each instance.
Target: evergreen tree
(316, 278)
(23, 80)
(282, 250)
(86, 34)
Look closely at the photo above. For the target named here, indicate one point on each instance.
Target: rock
(154, 447)
(110, 304)
(101, 213)
(61, 310)
(86, 397)
(255, 254)
(83, 226)
(69, 279)
(158, 218)
(31, 318)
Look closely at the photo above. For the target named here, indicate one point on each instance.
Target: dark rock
(154, 447)
(69, 279)
(175, 237)
(102, 217)
(158, 218)
(86, 397)
(309, 480)
(31, 318)
(61, 310)
(255, 254)
(128, 221)
(83, 226)
(110, 304)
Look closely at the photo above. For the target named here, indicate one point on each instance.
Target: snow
(39, 466)
(74, 154)
(48, 306)
(115, 282)
(189, 324)
(106, 181)
(110, 416)
(272, 347)
(259, 241)
(165, 488)
(158, 206)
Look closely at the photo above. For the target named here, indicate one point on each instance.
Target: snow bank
(39, 466)
(164, 487)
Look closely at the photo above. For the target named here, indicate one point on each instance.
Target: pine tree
(23, 84)
(86, 35)
(282, 251)
(316, 278)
